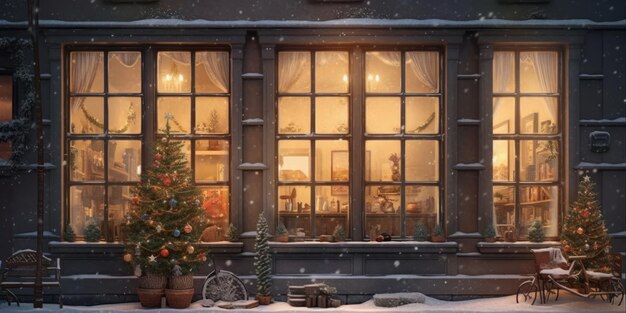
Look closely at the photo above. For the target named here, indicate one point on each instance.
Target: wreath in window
(17, 130)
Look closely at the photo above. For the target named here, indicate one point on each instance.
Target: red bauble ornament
(187, 229)
(158, 156)
(165, 253)
(136, 200)
(585, 214)
(167, 181)
(567, 248)
(580, 231)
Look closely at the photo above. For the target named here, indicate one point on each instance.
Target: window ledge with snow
(364, 247)
(506, 247)
(83, 247)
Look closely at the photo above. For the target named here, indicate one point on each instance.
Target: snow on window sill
(514, 247)
(83, 247)
(364, 247)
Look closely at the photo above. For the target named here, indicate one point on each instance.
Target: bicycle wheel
(528, 290)
(224, 286)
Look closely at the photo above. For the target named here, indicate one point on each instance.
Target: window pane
(125, 115)
(331, 71)
(179, 111)
(294, 72)
(382, 209)
(539, 160)
(422, 71)
(212, 72)
(503, 208)
(294, 115)
(212, 158)
(503, 71)
(212, 115)
(86, 72)
(86, 115)
(422, 207)
(422, 160)
(119, 206)
(331, 208)
(124, 160)
(294, 160)
(382, 71)
(539, 203)
(332, 160)
(503, 160)
(86, 160)
(294, 209)
(125, 72)
(385, 160)
(174, 71)
(422, 115)
(86, 205)
(6, 111)
(539, 71)
(503, 115)
(216, 205)
(382, 115)
(331, 115)
(539, 115)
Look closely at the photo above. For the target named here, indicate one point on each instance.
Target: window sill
(83, 247)
(364, 247)
(504, 247)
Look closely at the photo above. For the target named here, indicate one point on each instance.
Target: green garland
(130, 119)
(17, 130)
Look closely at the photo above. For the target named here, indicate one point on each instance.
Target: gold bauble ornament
(190, 249)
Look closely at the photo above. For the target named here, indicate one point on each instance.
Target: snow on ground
(567, 303)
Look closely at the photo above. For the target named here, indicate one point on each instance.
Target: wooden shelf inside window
(212, 152)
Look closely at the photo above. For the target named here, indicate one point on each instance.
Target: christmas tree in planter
(584, 232)
(263, 262)
(165, 222)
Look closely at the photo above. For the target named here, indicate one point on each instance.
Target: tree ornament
(164, 139)
(128, 257)
(190, 249)
(202, 258)
(152, 258)
(187, 229)
(136, 200)
(585, 213)
(580, 231)
(176, 232)
(138, 250)
(156, 163)
(158, 228)
(567, 248)
(157, 156)
(150, 222)
(173, 203)
(166, 181)
(197, 202)
(587, 247)
(145, 217)
(164, 253)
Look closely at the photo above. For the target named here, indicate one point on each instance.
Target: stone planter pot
(281, 238)
(438, 239)
(150, 298)
(152, 281)
(181, 282)
(179, 298)
(264, 300)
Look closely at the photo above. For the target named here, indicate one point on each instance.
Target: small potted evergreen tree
(339, 234)
(282, 235)
(263, 262)
(232, 234)
(420, 232)
(535, 231)
(489, 233)
(438, 234)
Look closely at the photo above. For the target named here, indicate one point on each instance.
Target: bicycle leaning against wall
(222, 285)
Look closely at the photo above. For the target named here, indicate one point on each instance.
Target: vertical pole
(33, 23)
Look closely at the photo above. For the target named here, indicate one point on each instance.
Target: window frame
(517, 136)
(149, 120)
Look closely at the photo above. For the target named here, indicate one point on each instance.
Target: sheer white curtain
(127, 59)
(215, 65)
(83, 73)
(292, 67)
(502, 71)
(424, 64)
(390, 58)
(545, 65)
(178, 60)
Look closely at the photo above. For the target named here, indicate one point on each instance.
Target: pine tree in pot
(263, 262)
(438, 234)
(282, 235)
(489, 233)
(163, 226)
(420, 233)
(535, 231)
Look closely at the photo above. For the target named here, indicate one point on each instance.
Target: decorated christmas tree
(166, 218)
(263, 259)
(584, 232)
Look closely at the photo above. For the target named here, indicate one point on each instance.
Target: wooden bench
(19, 271)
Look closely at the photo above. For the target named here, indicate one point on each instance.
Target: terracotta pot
(179, 298)
(181, 282)
(150, 298)
(264, 300)
(326, 238)
(438, 239)
(490, 239)
(282, 238)
(510, 236)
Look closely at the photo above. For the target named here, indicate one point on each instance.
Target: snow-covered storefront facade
(377, 117)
